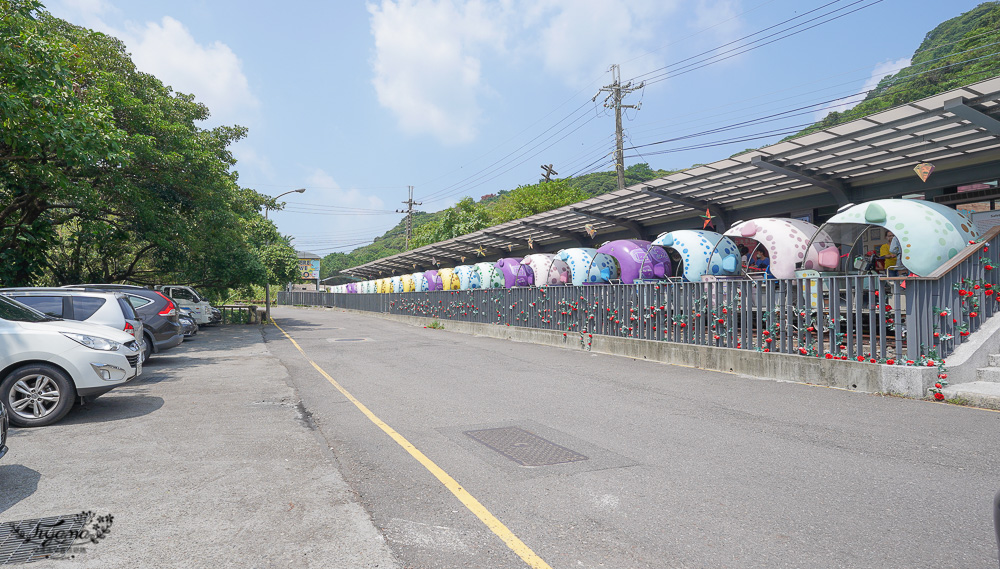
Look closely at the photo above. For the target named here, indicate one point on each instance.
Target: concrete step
(984, 394)
(994, 360)
(991, 374)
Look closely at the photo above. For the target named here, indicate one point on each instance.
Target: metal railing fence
(860, 317)
(782, 316)
(952, 303)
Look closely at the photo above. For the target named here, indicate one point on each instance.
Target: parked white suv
(46, 363)
(187, 297)
(108, 308)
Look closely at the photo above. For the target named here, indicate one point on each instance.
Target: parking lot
(206, 460)
(234, 449)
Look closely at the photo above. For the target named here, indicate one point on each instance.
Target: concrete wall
(867, 377)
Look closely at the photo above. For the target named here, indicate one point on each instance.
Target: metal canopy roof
(953, 130)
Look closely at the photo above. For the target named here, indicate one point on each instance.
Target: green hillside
(957, 52)
(468, 215)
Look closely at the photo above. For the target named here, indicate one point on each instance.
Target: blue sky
(355, 101)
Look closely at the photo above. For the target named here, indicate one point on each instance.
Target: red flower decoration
(937, 385)
(861, 358)
(942, 376)
(829, 356)
(939, 396)
(890, 362)
(973, 314)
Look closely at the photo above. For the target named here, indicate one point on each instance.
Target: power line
(716, 58)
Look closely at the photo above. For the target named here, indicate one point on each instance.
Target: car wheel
(149, 348)
(37, 395)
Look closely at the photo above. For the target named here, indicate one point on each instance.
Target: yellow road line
(491, 521)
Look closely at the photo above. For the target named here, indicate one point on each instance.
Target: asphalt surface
(684, 467)
(207, 460)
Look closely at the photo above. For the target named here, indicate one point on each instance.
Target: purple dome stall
(513, 273)
(638, 260)
(433, 280)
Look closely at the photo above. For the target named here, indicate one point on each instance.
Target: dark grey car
(158, 314)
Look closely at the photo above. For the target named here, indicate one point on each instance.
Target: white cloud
(429, 54)
(579, 39)
(719, 17)
(251, 161)
(881, 70)
(427, 64)
(340, 230)
(211, 72)
(323, 189)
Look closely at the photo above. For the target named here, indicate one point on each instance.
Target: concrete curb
(855, 376)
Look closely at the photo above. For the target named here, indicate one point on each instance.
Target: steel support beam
(978, 118)
(536, 247)
(698, 205)
(574, 237)
(635, 227)
(836, 189)
(488, 250)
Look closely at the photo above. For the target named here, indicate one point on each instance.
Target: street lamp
(267, 282)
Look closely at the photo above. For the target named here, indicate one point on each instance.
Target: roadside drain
(524, 447)
(347, 339)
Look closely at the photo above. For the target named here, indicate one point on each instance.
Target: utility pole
(614, 100)
(409, 216)
(549, 172)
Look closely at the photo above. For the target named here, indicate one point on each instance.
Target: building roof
(864, 159)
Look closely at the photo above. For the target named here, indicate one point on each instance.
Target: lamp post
(267, 282)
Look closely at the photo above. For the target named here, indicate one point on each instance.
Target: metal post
(267, 283)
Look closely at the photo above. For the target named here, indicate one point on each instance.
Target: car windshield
(17, 312)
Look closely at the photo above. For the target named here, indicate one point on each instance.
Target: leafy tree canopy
(105, 175)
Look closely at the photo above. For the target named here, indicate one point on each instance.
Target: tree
(107, 176)
(529, 200)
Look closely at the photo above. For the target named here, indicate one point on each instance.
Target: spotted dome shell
(929, 233)
(702, 252)
(785, 239)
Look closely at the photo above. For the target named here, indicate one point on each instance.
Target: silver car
(108, 308)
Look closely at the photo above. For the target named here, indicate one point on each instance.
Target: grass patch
(435, 325)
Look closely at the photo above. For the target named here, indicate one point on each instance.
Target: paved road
(684, 468)
(206, 461)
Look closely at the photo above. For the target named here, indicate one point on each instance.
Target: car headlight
(94, 342)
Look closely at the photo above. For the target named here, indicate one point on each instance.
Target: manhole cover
(523, 447)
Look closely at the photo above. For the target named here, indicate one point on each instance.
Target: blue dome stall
(468, 277)
(701, 253)
(587, 266)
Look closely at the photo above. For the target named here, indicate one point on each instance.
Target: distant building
(309, 267)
